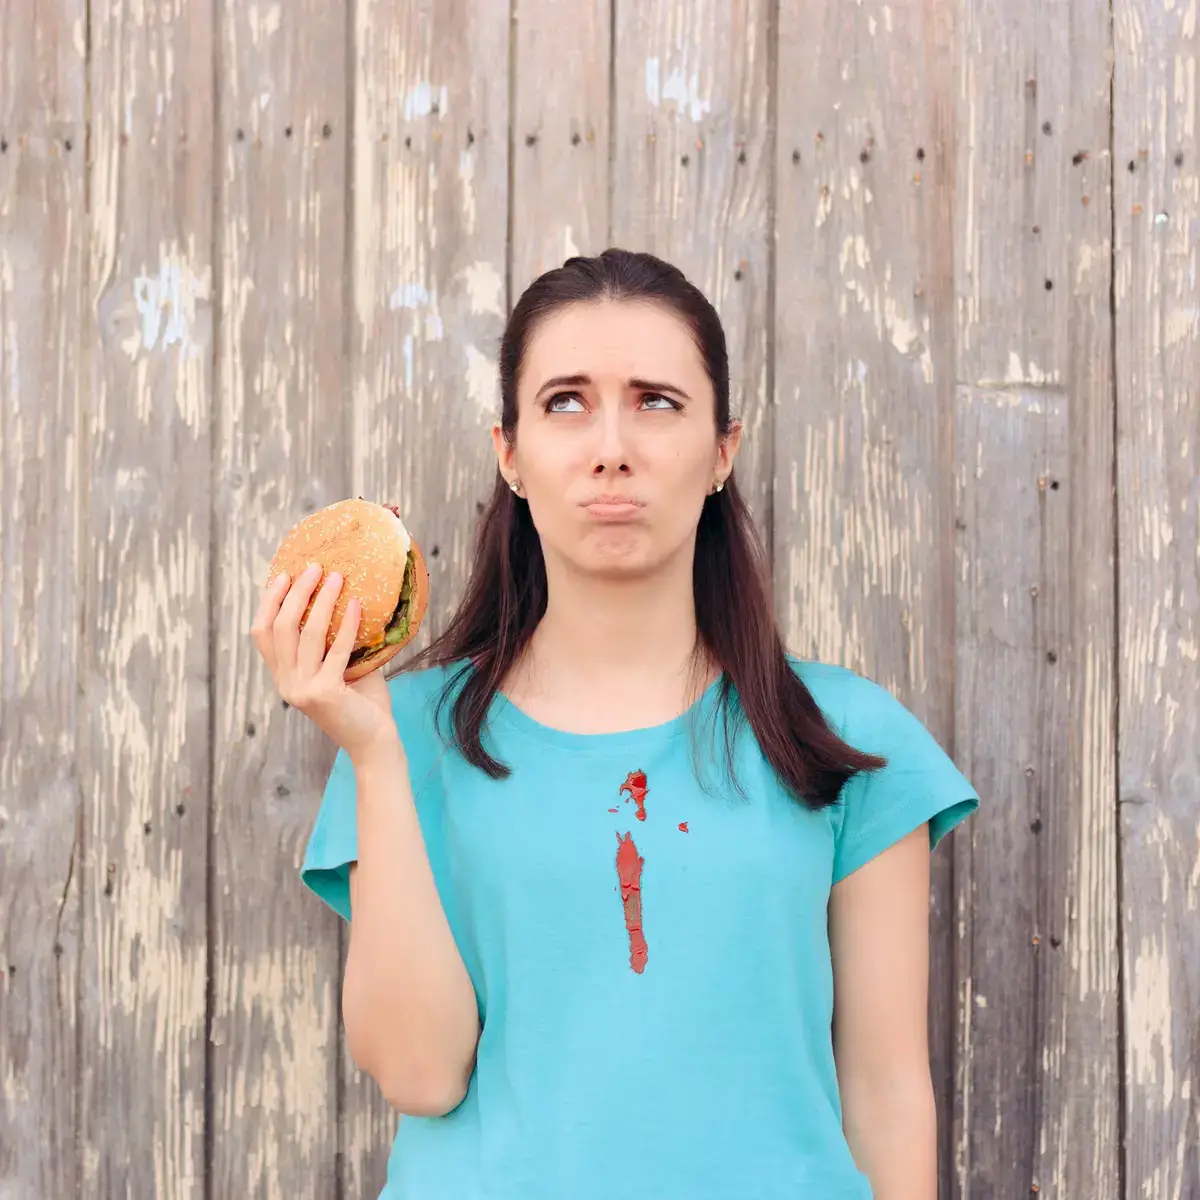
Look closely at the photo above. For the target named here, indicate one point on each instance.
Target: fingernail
(333, 580)
(312, 569)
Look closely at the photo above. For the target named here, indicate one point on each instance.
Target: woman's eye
(656, 401)
(559, 402)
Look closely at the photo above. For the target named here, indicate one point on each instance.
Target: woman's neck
(628, 643)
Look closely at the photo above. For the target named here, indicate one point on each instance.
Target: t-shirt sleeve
(333, 842)
(919, 784)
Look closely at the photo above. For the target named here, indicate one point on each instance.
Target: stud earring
(516, 486)
(718, 485)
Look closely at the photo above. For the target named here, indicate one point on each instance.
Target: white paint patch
(409, 295)
(905, 335)
(485, 288)
(264, 21)
(481, 381)
(423, 98)
(682, 91)
(1182, 325)
(466, 174)
(1031, 373)
(166, 307)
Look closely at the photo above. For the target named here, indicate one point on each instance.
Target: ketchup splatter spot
(635, 785)
(614, 810)
(683, 827)
(629, 872)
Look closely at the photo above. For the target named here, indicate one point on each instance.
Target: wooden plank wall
(1035, 884)
(1156, 143)
(257, 256)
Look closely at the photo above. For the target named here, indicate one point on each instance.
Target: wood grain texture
(1157, 252)
(560, 124)
(862, 480)
(429, 266)
(145, 560)
(865, 369)
(1032, 220)
(42, 230)
(691, 182)
(282, 451)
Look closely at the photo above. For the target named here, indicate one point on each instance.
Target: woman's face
(616, 445)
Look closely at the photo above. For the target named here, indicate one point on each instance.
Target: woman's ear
(505, 453)
(727, 448)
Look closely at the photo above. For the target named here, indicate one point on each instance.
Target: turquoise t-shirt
(648, 946)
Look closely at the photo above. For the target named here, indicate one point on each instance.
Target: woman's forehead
(613, 337)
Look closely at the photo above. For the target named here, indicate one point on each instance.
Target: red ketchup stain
(683, 827)
(635, 785)
(629, 872)
(614, 810)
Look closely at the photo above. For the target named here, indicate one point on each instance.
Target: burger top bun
(368, 545)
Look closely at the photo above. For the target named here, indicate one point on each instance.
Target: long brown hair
(506, 594)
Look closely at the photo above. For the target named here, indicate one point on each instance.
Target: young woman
(638, 902)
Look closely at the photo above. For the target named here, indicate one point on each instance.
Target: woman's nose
(612, 449)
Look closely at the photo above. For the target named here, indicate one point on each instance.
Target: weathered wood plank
(42, 228)
(282, 450)
(1038, 1101)
(1013, 597)
(560, 121)
(691, 182)
(145, 559)
(1157, 163)
(865, 370)
(429, 266)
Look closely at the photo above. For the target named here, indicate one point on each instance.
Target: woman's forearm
(891, 1126)
(409, 1008)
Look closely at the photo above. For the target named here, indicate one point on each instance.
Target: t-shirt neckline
(508, 714)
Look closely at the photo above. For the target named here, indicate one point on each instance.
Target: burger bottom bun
(372, 662)
(418, 604)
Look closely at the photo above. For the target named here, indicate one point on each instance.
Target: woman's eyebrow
(641, 385)
(564, 381)
(648, 385)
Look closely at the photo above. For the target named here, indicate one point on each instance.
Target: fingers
(338, 658)
(311, 650)
(268, 608)
(286, 628)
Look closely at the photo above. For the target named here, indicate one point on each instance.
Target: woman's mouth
(613, 507)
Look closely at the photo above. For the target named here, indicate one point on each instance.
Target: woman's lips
(611, 507)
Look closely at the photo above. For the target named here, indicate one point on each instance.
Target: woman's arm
(879, 936)
(412, 1022)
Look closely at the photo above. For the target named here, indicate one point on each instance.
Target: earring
(718, 485)
(516, 486)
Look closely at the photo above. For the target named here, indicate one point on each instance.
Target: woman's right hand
(357, 716)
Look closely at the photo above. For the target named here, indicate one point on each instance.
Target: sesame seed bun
(369, 546)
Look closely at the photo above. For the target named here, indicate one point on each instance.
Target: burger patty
(397, 628)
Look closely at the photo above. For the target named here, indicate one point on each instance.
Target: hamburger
(380, 564)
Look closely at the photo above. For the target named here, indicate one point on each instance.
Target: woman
(616, 861)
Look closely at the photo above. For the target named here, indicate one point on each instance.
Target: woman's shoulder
(848, 698)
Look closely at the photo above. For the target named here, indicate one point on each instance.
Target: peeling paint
(425, 98)
(679, 89)
(485, 289)
(481, 381)
(166, 305)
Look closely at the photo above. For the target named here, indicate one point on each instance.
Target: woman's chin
(617, 553)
